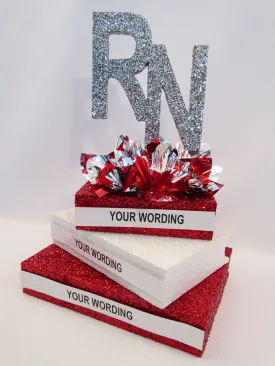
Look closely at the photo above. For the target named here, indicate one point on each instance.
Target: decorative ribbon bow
(157, 172)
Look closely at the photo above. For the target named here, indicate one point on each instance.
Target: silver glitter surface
(197, 97)
(161, 76)
(124, 70)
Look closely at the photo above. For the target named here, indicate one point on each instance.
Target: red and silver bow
(156, 172)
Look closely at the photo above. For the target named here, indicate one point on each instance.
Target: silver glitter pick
(161, 76)
(124, 70)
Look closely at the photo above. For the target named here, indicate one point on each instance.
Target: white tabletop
(34, 332)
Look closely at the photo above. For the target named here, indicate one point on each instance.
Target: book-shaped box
(56, 276)
(185, 217)
(158, 269)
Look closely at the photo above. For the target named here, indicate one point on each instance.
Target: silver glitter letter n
(124, 70)
(161, 77)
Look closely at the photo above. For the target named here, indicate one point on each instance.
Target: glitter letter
(161, 76)
(124, 70)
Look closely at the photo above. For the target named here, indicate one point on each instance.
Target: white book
(158, 269)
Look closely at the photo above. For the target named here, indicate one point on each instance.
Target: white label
(181, 332)
(148, 218)
(130, 273)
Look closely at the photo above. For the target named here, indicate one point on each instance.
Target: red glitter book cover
(196, 308)
(86, 197)
(140, 190)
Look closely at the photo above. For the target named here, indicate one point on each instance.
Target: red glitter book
(141, 191)
(86, 198)
(54, 275)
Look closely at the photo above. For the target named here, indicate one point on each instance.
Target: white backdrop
(45, 121)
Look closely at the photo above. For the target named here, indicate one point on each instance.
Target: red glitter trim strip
(188, 234)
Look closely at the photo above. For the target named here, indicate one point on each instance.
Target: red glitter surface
(85, 197)
(197, 307)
